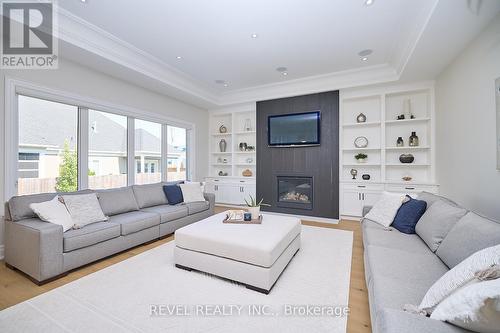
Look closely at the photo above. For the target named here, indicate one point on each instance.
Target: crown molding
(84, 35)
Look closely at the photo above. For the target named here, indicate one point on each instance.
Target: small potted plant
(361, 158)
(254, 207)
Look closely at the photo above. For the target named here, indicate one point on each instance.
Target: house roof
(36, 129)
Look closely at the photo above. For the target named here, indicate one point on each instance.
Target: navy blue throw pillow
(173, 193)
(408, 215)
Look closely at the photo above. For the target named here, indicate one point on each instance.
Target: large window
(147, 152)
(64, 147)
(107, 150)
(176, 153)
(47, 160)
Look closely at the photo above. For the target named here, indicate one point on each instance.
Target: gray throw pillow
(84, 209)
(431, 198)
(437, 221)
(117, 201)
(471, 234)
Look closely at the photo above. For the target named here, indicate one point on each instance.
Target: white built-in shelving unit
(381, 106)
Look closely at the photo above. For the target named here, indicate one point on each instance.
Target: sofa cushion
(149, 195)
(117, 201)
(397, 321)
(431, 198)
(437, 221)
(173, 194)
(84, 209)
(168, 212)
(408, 215)
(393, 239)
(19, 206)
(89, 235)
(135, 221)
(196, 207)
(471, 234)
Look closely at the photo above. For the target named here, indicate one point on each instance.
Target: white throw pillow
(53, 211)
(459, 276)
(202, 185)
(475, 307)
(84, 209)
(191, 192)
(384, 211)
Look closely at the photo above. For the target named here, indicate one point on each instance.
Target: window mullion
(164, 153)
(130, 151)
(83, 148)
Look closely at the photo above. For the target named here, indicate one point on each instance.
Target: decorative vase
(222, 129)
(400, 142)
(366, 177)
(248, 125)
(354, 173)
(222, 145)
(361, 118)
(255, 211)
(413, 140)
(247, 173)
(406, 158)
(407, 109)
(243, 146)
(361, 160)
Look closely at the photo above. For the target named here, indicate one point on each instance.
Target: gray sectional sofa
(137, 214)
(400, 268)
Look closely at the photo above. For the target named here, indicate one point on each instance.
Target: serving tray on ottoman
(253, 254)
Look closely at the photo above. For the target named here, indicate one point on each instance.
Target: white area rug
(119, 298)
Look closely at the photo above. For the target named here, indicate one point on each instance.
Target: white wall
(466, 125)
(76, 79)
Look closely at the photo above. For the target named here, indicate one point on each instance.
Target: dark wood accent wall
(321, 162)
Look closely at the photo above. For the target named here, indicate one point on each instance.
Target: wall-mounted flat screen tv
(296, 129)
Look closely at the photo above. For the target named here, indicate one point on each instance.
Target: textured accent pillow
(84, 209)
(475, 307)
(459, 276)
(53, 211)
(471, 234)
(437, 221)
(192, 192)
(173, 193)
(408, 215)
(384, 210)
(202, 185)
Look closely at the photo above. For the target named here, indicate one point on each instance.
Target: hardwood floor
(16, 288)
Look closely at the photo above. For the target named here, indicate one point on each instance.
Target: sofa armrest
(34, 247)
(366, 209)
(210, 197)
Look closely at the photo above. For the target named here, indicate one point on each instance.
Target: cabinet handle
(242, 181)
(359, 196)
(363, 196)
(409, 188)
(216, 180)
(361, 186)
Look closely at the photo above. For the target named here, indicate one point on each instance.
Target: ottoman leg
(260, 290)
(183, 267)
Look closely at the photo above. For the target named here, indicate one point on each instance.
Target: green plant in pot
(361, 158)
(254, 206)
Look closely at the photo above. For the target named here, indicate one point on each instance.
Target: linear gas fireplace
(295, 192)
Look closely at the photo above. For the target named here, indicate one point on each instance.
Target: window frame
(15, 87)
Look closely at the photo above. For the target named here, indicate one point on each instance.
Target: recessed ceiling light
(284, 73)
(225, 84)
(369, 2)
(178, 57)
(254, 35)
(84, 1)
(365, 53)
(364, 58)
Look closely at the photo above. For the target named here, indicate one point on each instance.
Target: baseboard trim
(307, 218)
(1, 252)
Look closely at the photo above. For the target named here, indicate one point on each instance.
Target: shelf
(358, 149)
(408, 164)
(221, 164)
(245, 132)
(221, 134)
(406, 121)
(361, 164)
(245, 164)
(221, 153)
(408, 148)
(245, 152)
(368, 123)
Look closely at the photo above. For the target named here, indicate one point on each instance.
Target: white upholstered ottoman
(252, 254)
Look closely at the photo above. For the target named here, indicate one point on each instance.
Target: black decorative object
(406, 158)
(361, 118)
(400, 142)
(366, 176)
(243, 146)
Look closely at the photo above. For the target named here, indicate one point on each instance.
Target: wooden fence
(42, 185)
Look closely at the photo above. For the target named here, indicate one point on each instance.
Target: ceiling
(318, 41)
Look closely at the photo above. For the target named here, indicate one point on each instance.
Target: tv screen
(297, 129)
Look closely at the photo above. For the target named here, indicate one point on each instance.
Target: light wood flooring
(16, 288)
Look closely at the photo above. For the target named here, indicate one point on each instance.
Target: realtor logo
(28, 38)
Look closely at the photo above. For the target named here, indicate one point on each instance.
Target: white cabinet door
(351, 203)
(370, 198)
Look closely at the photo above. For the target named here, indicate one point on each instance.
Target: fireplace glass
(295, 192)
